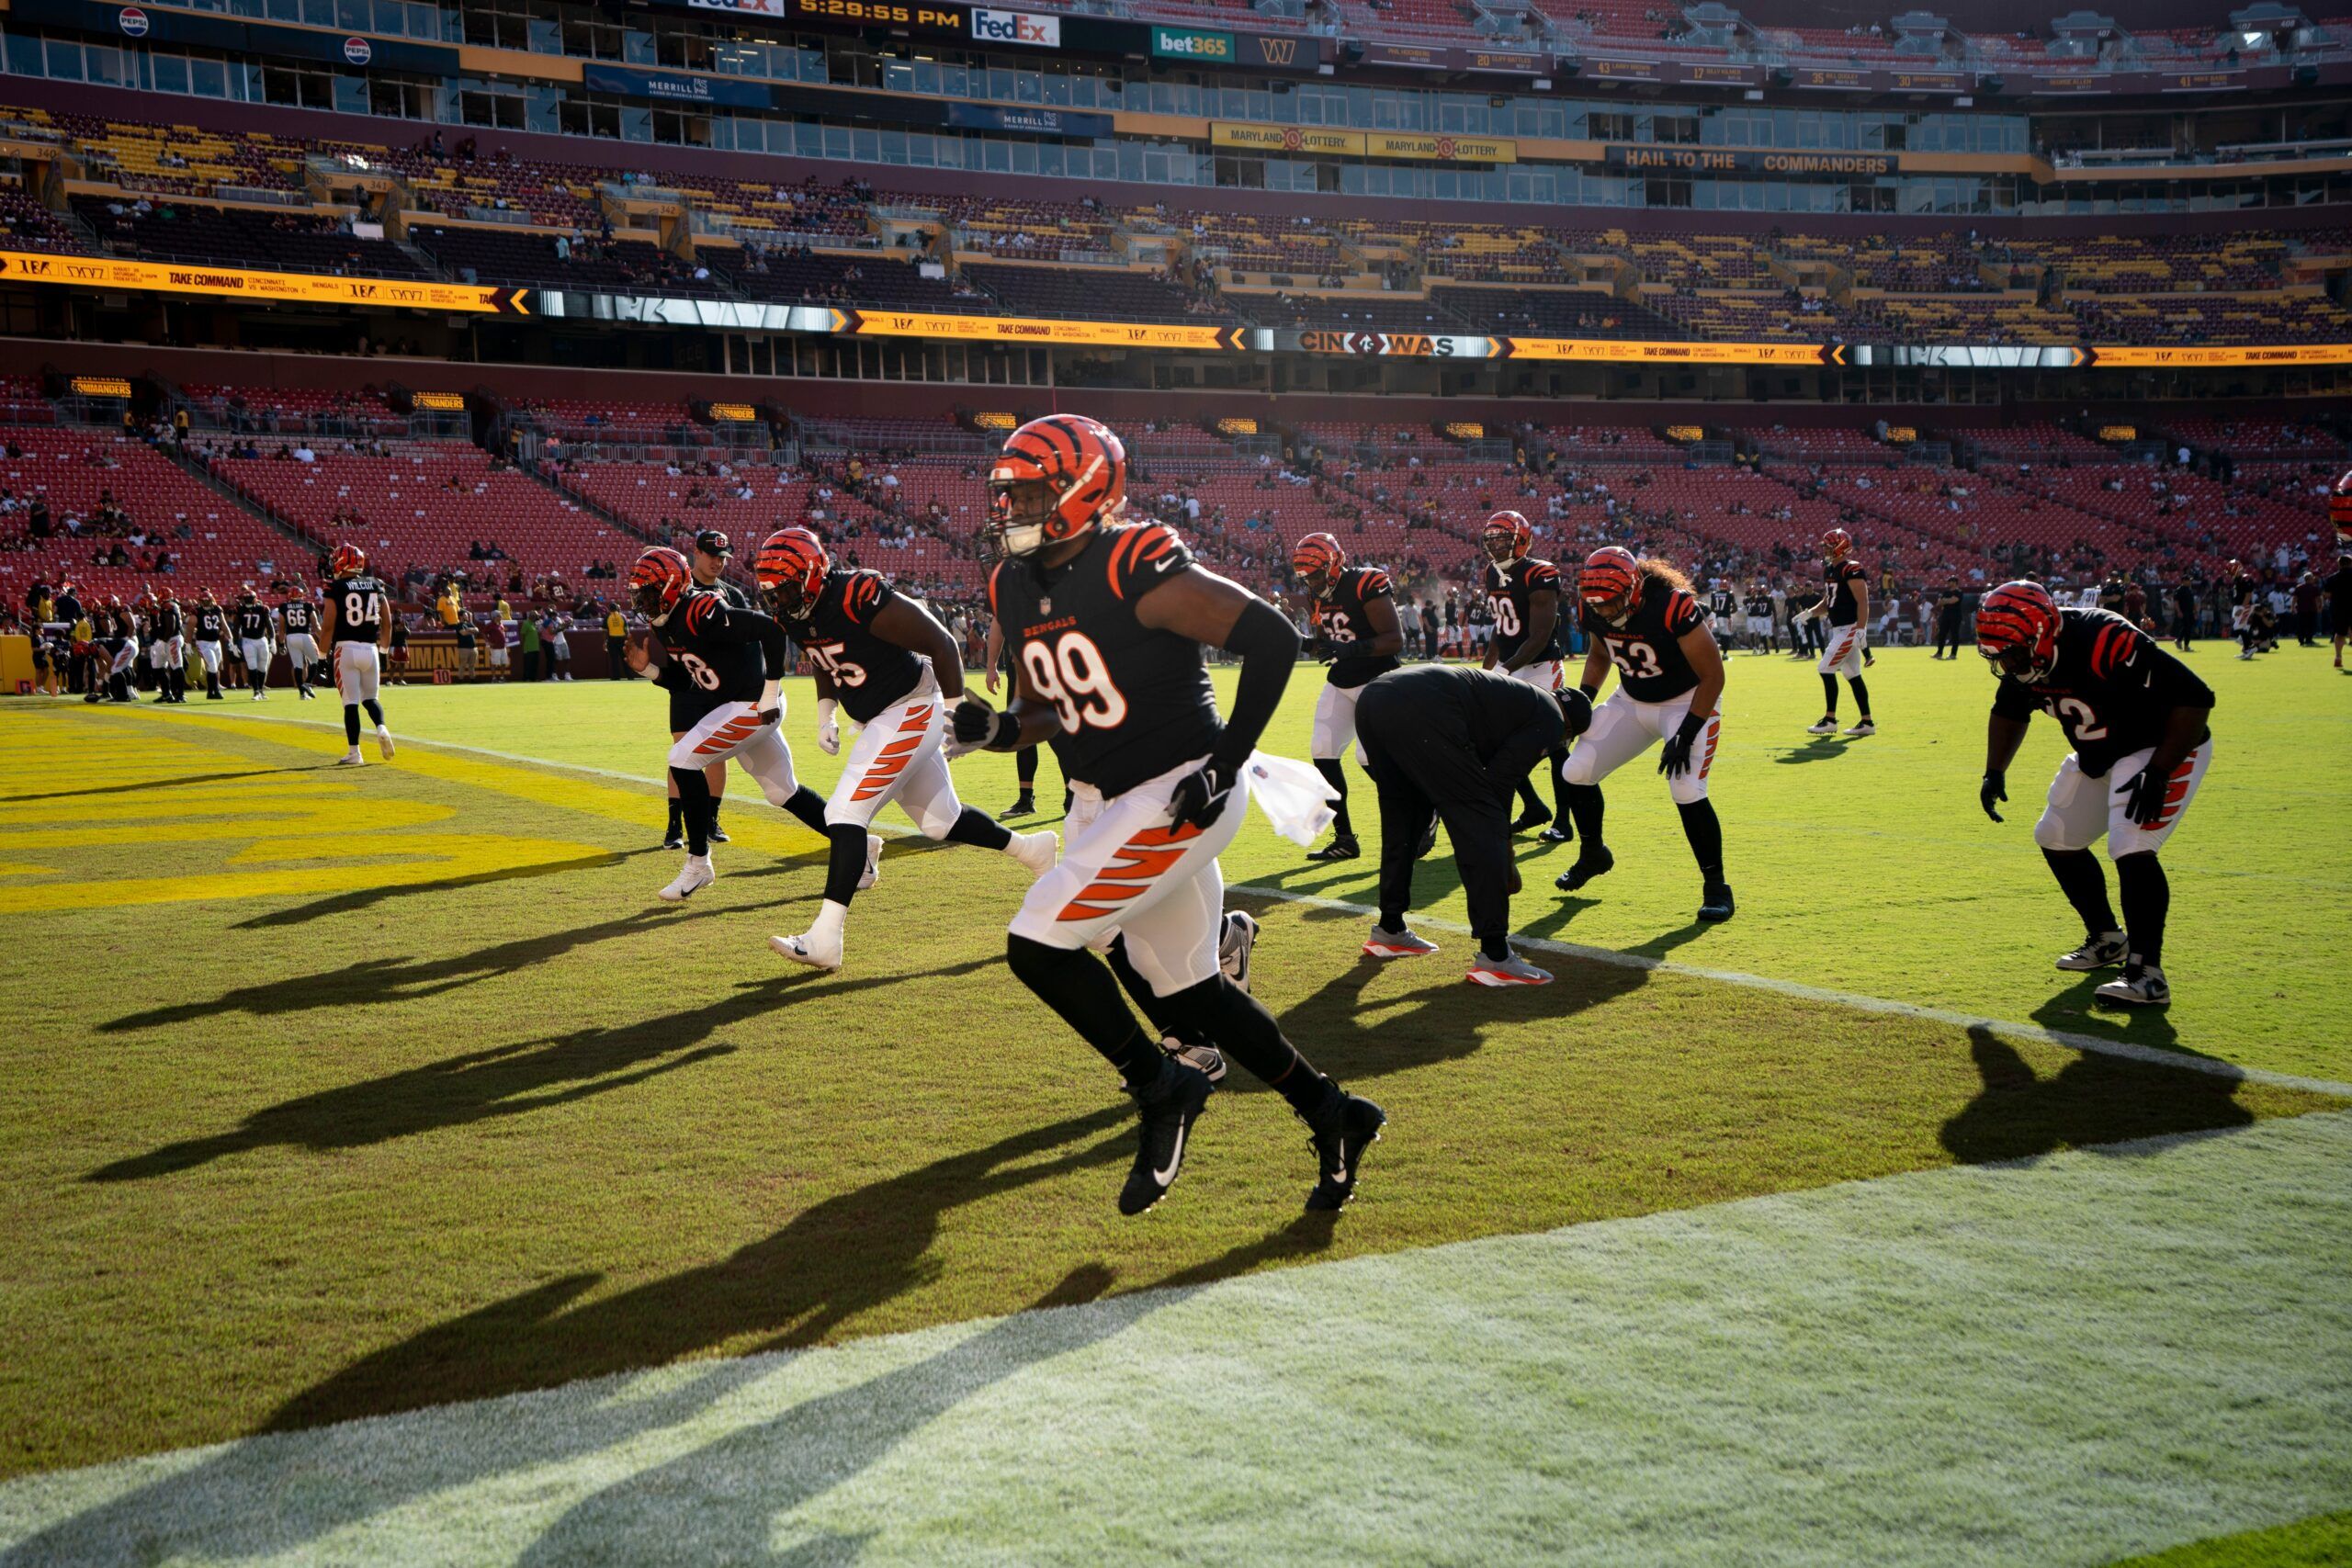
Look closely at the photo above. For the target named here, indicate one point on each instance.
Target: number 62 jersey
(1648, 649)
(1134, 702)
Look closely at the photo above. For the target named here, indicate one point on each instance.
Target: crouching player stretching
(1106, 621)
(2134, 714)
(1642, 617)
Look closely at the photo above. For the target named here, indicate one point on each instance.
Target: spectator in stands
(466, 633)
(529, 627)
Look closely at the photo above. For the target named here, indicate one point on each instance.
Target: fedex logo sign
(1016, 27)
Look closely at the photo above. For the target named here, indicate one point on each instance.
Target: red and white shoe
(1383, 943)
(1511, 971)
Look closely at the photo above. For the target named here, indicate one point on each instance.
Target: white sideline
(1795, 989)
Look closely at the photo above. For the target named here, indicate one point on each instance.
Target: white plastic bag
(1295, 799)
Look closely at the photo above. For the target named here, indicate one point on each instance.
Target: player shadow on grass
(2077, 1011)
(726, 1501)
(359, 898)
(1819, 749)
(505, 1080)
(845, 1257)
(143, 785)
(2089, 1100)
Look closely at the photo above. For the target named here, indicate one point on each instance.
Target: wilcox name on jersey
(358, 609)
(868, 673)
(1343, 619)
(1648, 649)
(1510, 592)
(1133, 702)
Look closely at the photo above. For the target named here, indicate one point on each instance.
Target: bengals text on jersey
(1342, 619)
(1648, 649)
(1510, 592)
(1133, 702)
(2111, 688)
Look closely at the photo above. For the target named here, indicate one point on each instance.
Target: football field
(1847, 1230)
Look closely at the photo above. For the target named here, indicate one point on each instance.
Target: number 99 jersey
(1648, 649)
(868, 674)
(1133, 702)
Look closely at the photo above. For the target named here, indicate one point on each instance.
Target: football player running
(1524, 593)
(1106, 620)
(1356, 629)
(168, 648)
(2133, 713)
(894, 670)
(1642, 617)
(298, 619)
(723, 667)
(358, 622)
(1845, 609)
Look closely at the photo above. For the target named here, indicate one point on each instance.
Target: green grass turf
(2321, 1542)
(331, 1095)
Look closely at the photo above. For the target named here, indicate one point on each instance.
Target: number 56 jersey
(1648, 649)
(1133, 702)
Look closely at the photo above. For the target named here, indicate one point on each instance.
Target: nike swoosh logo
(1340, 1172)
(1176, 1157)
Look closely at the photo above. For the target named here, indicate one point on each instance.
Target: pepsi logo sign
(133, 22)
(358, 50)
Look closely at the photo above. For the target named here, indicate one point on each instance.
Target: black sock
(2084, 885)
(351, 724)
(1555, 759)
(710, 815)
(694, 807)
(847, 865)
(375, 710)
(2147, 897)
(1829, 695)
(1155, 1008)
(1237, 1024)
(1496, 946)
(807, 808)
(676, 825)
(1081, 990)
(1862, 699)
(1329, 768)
(975, 827)
(1024, 768)
(1706, 831)
(1585, 806)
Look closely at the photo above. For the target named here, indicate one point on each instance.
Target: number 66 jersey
(1133, 702)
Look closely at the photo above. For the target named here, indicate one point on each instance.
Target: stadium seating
(169, 229)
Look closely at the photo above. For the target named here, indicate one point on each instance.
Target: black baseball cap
(713, 542)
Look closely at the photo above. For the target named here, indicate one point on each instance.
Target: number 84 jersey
(1648, 649)
(868, 674)
(1133, 702)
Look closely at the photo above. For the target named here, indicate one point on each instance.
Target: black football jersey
(1838, 587)
(1722, 603)
(1343, 619)
(868, 673)
(714, 655)
(166, 624)
(2109, 688)
(1510, 593)
(358, 609)
(1134, 702)
(212, 623)
(1760, 606)
(252, 622)
(1648, 649)
(300, 618)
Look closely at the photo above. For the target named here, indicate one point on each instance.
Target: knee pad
(936, 824)
(1578, 768)
(2050, 832)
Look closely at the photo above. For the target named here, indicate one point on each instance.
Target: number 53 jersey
(1648, 649)
(1133, 702)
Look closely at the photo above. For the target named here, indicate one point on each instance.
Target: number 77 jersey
(1133, 702)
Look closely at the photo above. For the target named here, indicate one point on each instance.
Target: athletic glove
(1676, 760)
(829, 729)
(976, 726)
(772, 703)
(1199, 796)
(1994, 787)
(2144, 795)
(1575, 712)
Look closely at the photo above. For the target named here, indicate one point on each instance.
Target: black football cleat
(1555, 834)
(1533, 816)
(1596, 861)
(1025, 806)
(1341, 1133)
(1343, 846)
(673, 840)
(1715, 903)
(718, 834)
(1168, 1109)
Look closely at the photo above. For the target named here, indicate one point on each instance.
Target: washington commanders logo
(1279, 50)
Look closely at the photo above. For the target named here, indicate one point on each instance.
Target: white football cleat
(1385, 944)
(384, 742)
(1234, 942)
(1864, 726)
(2144, 990)
(809, 949)
(1511, 971)
(696, 877)
(351, 758)
(1035, 851)
(2097, 953)
(1827, 727)
(873, 873)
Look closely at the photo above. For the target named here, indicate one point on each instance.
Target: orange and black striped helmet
(790, 566)
(1058, 478)
(2017, 631)
(1611, 583)
(1506, 537)
(2339, 507)
(658, 579)
(347, 560)
(1837, 545)
(1317, 560)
